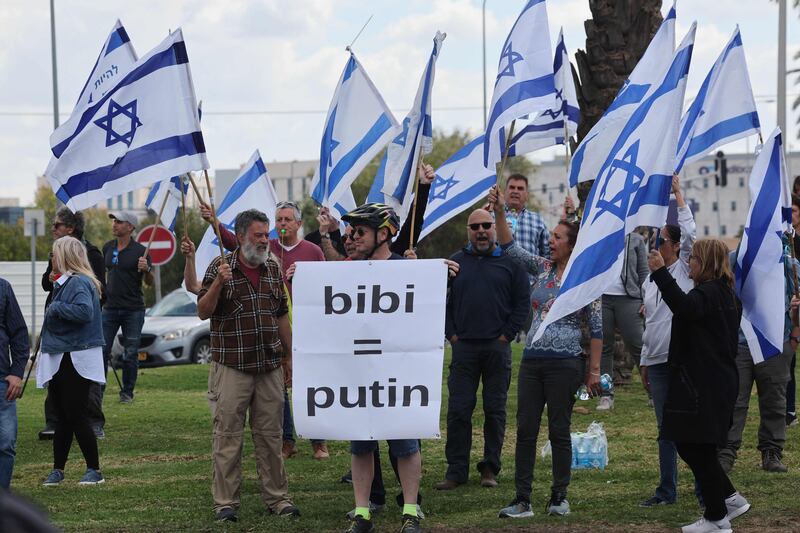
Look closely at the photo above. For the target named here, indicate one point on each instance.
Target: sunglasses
(115, 257)
(480, 225)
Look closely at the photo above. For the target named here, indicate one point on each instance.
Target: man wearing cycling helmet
(373, 226)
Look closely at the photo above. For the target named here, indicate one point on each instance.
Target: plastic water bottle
(583, 449)
(574, 438)
(582, 394)
(606, 383)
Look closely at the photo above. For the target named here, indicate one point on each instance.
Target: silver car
(172, 334)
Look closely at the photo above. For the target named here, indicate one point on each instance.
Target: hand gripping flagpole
(183, 206)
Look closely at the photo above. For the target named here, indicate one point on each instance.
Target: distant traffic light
(721, 169)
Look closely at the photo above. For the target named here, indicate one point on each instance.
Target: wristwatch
(324, 235)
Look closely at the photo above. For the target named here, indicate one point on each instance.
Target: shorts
(398, 448)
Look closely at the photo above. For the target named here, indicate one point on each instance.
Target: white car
(172, 333)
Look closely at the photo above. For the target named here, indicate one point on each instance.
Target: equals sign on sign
(367, 347)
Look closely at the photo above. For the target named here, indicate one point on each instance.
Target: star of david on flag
(631, 188)
(106, 122)
(760, 261)
(357, 126)
(143, 129)
(461, 181)
(524, 84)
(594, 148)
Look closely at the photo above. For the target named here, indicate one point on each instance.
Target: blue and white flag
(760, 261)
(724, 109)
(524, 84)
(461, 181)
(358, 125)
(251, 190)
(143, 129)
(116, 58)
(630, 189)
(400, 162)
(594, 148)
(561, 120)
(169, 193)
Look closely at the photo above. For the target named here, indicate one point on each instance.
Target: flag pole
(194, 187)
(183, 207)
(158, 219)
(414, 202)
(214, 219)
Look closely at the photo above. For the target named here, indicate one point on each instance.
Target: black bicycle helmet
(375, 216)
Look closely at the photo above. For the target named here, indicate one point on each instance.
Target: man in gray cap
(126, 266)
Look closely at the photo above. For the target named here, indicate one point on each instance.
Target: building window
(733, 206)
(723, 230)
(110, 203)
(544, 188)
(705, 230)
(741, 182)
(119, 202)
(130, 199)
(713, 206)
(705, 183)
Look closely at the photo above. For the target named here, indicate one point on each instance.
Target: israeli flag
(637, 88)
(631, 189)
(400, 162)
(358, 125)
(524, 83)
(169, 194)
(461, 181)
(251, 190)
(724, 109)
(115, 60)
(141, 130)
(760, 260)
(552, 125)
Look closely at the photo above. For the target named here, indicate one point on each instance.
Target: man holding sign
(369, 348)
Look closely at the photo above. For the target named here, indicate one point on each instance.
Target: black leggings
(712, 480)
(71, 393)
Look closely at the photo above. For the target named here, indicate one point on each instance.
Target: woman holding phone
(72, 356)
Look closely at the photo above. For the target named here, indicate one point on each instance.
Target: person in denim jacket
(72, 356)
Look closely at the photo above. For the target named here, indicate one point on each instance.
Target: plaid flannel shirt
(530, 232)
(244, 325)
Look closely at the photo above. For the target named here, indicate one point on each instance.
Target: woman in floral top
(552, 368)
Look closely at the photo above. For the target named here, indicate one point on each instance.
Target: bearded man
(251, 346)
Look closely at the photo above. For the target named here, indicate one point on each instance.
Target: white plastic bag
(589, 449)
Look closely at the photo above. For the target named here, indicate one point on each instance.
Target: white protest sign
(368, 349)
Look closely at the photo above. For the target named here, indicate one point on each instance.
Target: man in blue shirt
(528, 227)
(14, 352)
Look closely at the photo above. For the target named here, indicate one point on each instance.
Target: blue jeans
(131, 322)
(8, 435)
(658, 375)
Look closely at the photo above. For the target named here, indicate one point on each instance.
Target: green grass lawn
(156, 460)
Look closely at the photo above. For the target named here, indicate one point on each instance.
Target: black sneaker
(653, 501)
(519, 508)
(410, 524)
(360, 525)
(290, 511)
(226, 514)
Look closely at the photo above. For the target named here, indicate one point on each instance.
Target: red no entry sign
(163, 247)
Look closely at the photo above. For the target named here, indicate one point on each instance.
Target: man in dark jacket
(487, 304)
(73, 224)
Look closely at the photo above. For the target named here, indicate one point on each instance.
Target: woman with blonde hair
(72, 356)
(703, 380)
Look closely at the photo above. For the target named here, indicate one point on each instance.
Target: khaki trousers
(230, 394)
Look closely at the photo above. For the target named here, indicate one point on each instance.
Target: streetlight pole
(483, 19)
(53, 58)
(782, 66)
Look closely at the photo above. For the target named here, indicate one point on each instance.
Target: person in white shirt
(675, 245)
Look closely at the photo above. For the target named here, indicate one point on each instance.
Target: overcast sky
(266, 69)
